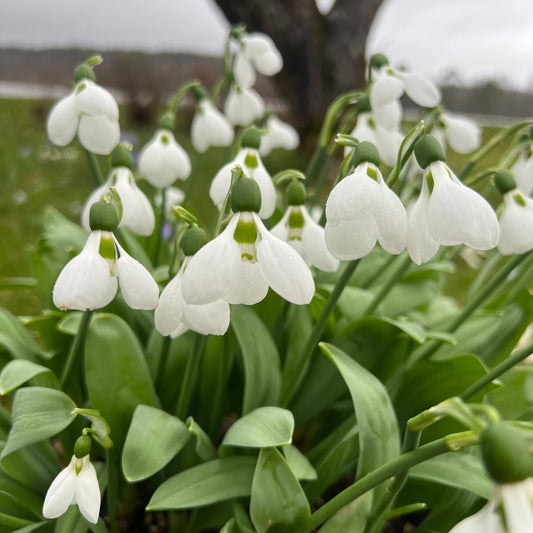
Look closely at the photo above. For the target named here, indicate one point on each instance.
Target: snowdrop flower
(163, 161)
(451, 214)
(523, 172)
(460, 133)
(257, 52)
(246, 259)
(137, 212)
(89, 280)
(298, 229)
(174, 316)
(249, 160)
(281, 135)
(210, 127)
(173, 196)
(243, 106)
(361, 210)
(90, 111)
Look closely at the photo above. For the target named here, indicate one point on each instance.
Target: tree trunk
(323, 54)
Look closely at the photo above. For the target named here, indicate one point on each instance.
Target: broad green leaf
(261, 359)
(515, 397)
(277, 498)
(45, 326)
(33, 527)
(14, 521)
(378, 429)
(17, 372)
(353, 301)
(404, 297)
(231, 526)
(117, 375)
(262, 428)
(459, 470)
(352, 518)
(298, 463)
(153, 439)
(17, 283)
(15, 338)
(38, 413)
(203, 446)
(24, 495)
(207, 483)
(70, 323)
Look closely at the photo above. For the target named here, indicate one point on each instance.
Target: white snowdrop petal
(314, 249)
(139, 289)
(269, 63)
(385, 90)
(208, 319)
(282, 135)
(63, 121)
(280, 230)
(210, 128)
(251, 287)
(388, 143)
(243, 71)
(243, 106)
(266, 186)
(463, 135)
(180, 330)
(219, 187)
(421, 91)
(485, 521)
(256, 44)
(284, 270)
(523, 173)
(392, 222)
(60, 493)
(98, 134)
(517, 507)
(516, 226)
(95, 100)
(364, 129)
(93, 198)
(388, 116)
(170, 308)
(349, 239)
(87, 492)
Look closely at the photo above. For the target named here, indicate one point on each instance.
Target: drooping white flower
(243, 106)
(89, 280)
(516, 224)
(137, 212)
(360, 211)
(210, 127)
(77, 484)
(523, 173)
(258, 52)
(462, 134)
(91, 112)
(281, 135)
(163, 161)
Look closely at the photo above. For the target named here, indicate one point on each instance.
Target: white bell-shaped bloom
(463, 135)
(516, 500)
(243, 106)
(174, 316)
(298, 229)
(523, 173)
(281, 135)
(137, 212)
(92, 112)
(77, 484)
(453, 214)
(173, 197)
(242, 262)
(250, 162)
(210, 127)
(89, 280)
(163, 161)
(516, 224)
(361, 211)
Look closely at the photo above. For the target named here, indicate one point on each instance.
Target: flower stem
(192, 178)
(162, 363)
(190, 376)
(160, 225)
(179, 94)
(112, 489)
(76, 349)
(497, 371)
(378, 273)
(94, 167)
(320, 324)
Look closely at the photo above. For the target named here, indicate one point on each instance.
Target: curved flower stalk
(516, 224)
(77, 484)
(461, 134)
(249, 160)
(89, 280)
(281, 135)
(523, 172)
(91, 112)
(243, 106)
(245, 260)
(361, 210)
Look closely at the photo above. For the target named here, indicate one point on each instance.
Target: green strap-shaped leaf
(117, 375)
(17, 372)
(38, 413)
(262, 428)
(212, 482)
(153, 439)
(277, 497)
(203, 446)
(352, 518)
(299, 463)
(261, 359)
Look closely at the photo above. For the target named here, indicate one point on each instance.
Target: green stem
(371, 480)
(427, 350)
(197, 162)
(497, 371)
(94, 167)
(76, 349)
(190, 376)
(112, 489)
(162, 363)
(314, 164)
(378, 273)
(160, 226)
(320, 324)
(179, 94)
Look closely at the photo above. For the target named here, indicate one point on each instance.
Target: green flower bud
(193, 239)
(166, 122)
(82, 447)
(428, 150)
(245, 196)
(121, 157)
(363, 105)
(296, 193)
(365, 152)
(504, 181)
(378, 60)
(505, 453)
(84, 72)
(251, 138)
(103, 216)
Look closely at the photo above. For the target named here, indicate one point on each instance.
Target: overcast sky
(478, 40)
